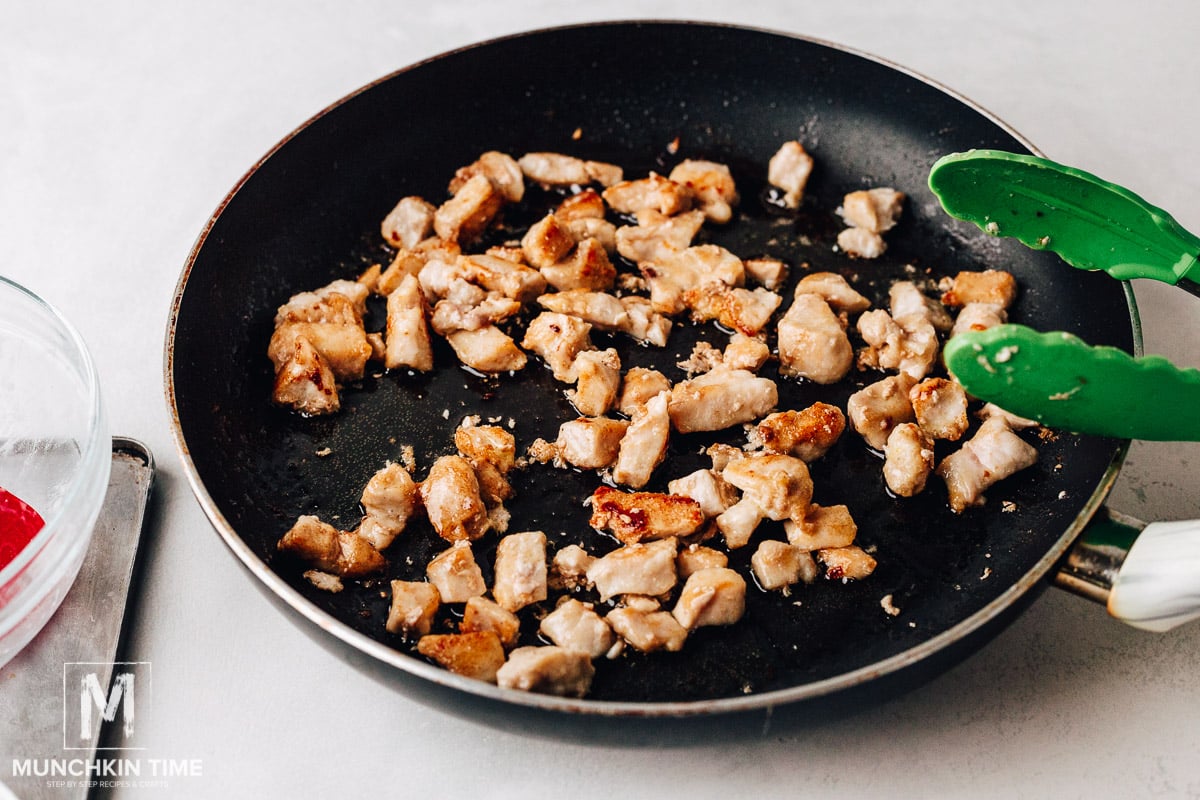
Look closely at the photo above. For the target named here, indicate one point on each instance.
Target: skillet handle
(1147, 575)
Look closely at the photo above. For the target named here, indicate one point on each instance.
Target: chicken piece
(806, 434)
(407, 338)
(324, 581)
(908, 459)
(670, 278)
(834, 290)
(408, 223)
(738, 522)
(590, 442)
(812, 342)
(603, 173)
(645, 568)
(711, 184)
(777, 565)
(978, 317)
(657, 237)
(846, 563)
(467, 214)
(547, 242)
(439, 275)
(455, 574)
(487, 444)
(508, 253)
(822, 527)
(477, 655)
(645, 443)
(770, 272)
(642, 516)
(992, 454)
(499, 168)
(715, 596)
(481, 614)
(405, 263)
(876, 409)
(713, 493)
(517, 281)
(340, 553)
(909, 345)
(990, 410)
(576, 626)
(547, 670)
(304, 380)
(788, 170)
(644, 323)
(414, 605)
(520, 577)
(994, 287)
(587, 267)
(745, 311)
(861, 243)
(389, 501)
(370, 276)
(704, 358)
(875, 210)
(745, 352)
(598, 378)
(568, 568)
(331, 323)
(905, 300)
(940, 407)
(779, 485)
(723, 455)
(648, 631)
(599, 309)
(639, 386)
(696, 557)
(584, 228)
(654, 192)
(487, 349)
(587, 204)
(558, 339)
(720, 398)
(450, 494)
(554, 169)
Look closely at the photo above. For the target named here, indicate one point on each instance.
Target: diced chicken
(908, 459)
(994, 287)
(487, 349)
(414, 605)
(990, 410)
(909, 344)
(587, 204)
(547, 670)
(332, 324)
(670, 278)
(438, 275)
(645, 568)
(451, 498)
(324, 581)
(341, 553)
(696, 557)
(568, 568)
(657, 237)
(645, 442)
(481, 614)
(720, 398)
(455, 574)
(604, 173)
(517, 281)
(743, 310)
(378, 346)
(408, 223)
(304, 380)
(388, 501)
(407, 339)
(587, 267)
(499, 168)
(770, 272)
(477, 655)
(978, 317)
(648, 631)
(875, 210)
(546, 242)
(738, 522)
(846, 563)
(861, 243)
(788, 170)
(467, 214)
(639, 386)
(584, 228)
(600, 309)
(576, 626)
(779, 485)
(597, 380)
(405, 263)
(653, 192)
(906, 300)
(834, 290)
(713, 493)
(645, 324)
(590, 442)
(812, 342)
(723, 455)
(642, 516)
(713, 187)
(991, 455)
(520, 577)
(878, 408)
(554, 169)
(940, 406)
(745, 352)
(513, 254)
(487, 444)
(558, 339)
(822, 527)
(778, 564)
(715, 596)
(704, 357)
(806, 434)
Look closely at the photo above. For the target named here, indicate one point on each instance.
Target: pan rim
(383, 653)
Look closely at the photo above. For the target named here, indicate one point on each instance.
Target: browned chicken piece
(978, 317)
(600, 309)
(940, 406)
(992, 454)
(414, 605)
(467, 214)
(769, 272)
(657, 237)
(639, 386)
(743, 310)
(370, 276)
(861, 243)
(499, 168)
(876, 409)
(568, 568)
(647, 568)
(455, 574)
(653, 192)
(812, 342)
(408, 223)
(481, 614)
(777, 565)
(307, 306)
(587, 204)
(822, 527)
(378, 346)
(487, 349)
(554, 169)
(875, 210)
(909, 344)
(576, 626)
(738, 522)
(713, 187)
(331, 323)
(715, 596)
(304, 380)
(604, 173)
(908, 459)
(642, 516)
(406, 262)
(558, 339)
(513, 254)
(846, 563)
(993, 286)
(713, 493)
(696, 557)
(546, 242)
(806, 434)
(670, 278)
(341, 553)
(439, 275)
(788, 170)
(723, 455)
(477, 655)
(590, 442)
(324, 581)
(834, 290)
(990, 410)
(720, 398)
(645, 442)
(745, 352)
(389, 501)
(520, 576)
(645, 324)
(587, 267)
(517, 281)
(648, 631)
(487, 444)
(407, 339)
(466, 307)
(450, 494)
(584, 228)
(906, 300)
(597, 380)
(547, 670)
(779, 485)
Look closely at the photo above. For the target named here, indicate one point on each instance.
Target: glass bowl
(55, 454)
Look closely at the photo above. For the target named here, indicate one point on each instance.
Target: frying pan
(643, 95)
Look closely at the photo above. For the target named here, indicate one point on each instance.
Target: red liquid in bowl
(18, 525)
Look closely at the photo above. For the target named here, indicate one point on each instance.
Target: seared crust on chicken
(451, 497)
(641, 516)
(991, 455)
(876, 409)
(547, 670)
(645, 443)
(477, 654)
(807, 434)
(341, 553)
(711, 184)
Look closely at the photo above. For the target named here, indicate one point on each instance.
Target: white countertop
(123, 124)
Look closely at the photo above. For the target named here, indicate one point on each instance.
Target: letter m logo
(121, 694)
(87, 707)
